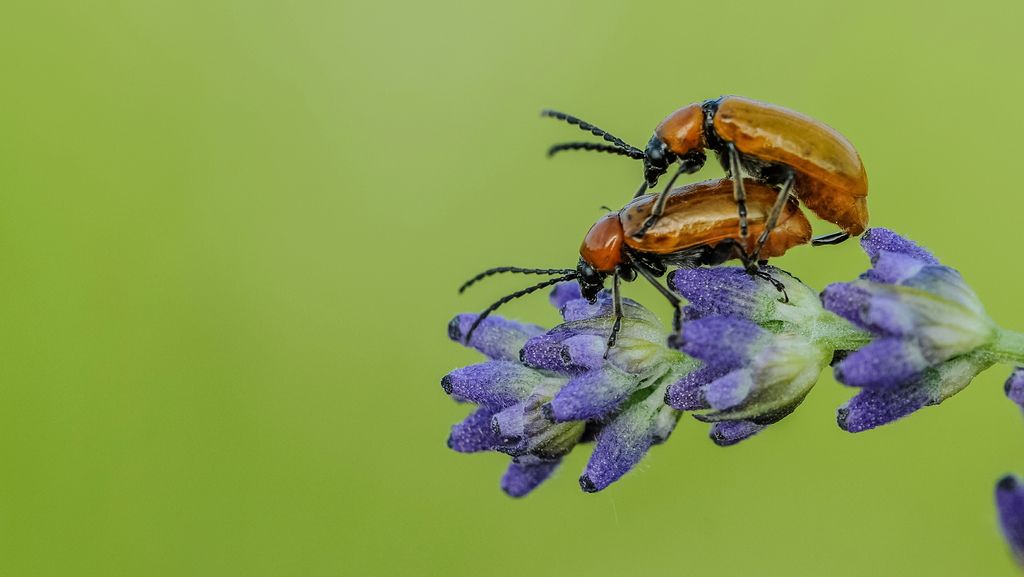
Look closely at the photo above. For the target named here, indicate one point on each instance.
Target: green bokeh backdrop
(231, 233)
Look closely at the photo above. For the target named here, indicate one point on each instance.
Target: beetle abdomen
(831, 180)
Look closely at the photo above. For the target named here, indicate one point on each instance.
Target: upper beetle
(774, 145)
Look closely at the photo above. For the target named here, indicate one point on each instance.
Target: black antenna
(513, 269)
(514, 295)
(592, 129)
(597, 147)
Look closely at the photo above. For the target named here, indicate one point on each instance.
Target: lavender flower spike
(544, 392)
(1010, 504)
(762, 352)
(931, 333)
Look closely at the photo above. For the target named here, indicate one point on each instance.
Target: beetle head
(657, 158)
(591, 281)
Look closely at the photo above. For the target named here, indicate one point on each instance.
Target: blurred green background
(231, 233)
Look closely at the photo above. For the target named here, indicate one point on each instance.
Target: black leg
(686, 166)
(773, 216)
(640, 192)
(833, 238)
(617, 308)
(659, 205)
(739, 193)
(774, 282)
(673, 299)
(677, 312)
(754, 270)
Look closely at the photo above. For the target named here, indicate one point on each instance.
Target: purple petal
(870, 307)
(722, 342)
(497, 384)
(947, 283)
(592, 395)
(872, 408)
(522, 477)
(1014, 386)
(877, 240)
(728, 391)
(887, 314)
(509, 425)
(727, 433)
(882, 364)
(688, 393)
(847, 300)
(1010, 504)
(620, 446)
(563, 293)
(586, 351)
(548, 351)
(474, 433)
(893, 267)
(496, 337)
(580, 309)
(715, 291)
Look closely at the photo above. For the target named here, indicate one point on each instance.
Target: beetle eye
(655, 154)
(591, 281)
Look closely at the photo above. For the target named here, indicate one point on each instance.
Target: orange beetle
(774, 145)
(698, 227)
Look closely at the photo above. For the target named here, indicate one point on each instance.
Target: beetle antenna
(593, 130)
(512, 269)
(512, 296)
(595, 146)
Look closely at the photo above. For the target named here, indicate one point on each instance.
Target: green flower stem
(838, 333)
(1008, 347)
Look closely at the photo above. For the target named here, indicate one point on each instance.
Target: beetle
(774, 145)
(698, 227)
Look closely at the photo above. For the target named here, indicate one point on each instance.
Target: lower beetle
(698, 227)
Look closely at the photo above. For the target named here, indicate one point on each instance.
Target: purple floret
(715, 291)
(564, 293)
(1010, 505)
(688, 393)
(883, 364)
(1014, 386)
(622, 443)
(525, 475)
(722, 342)
(496, 384)
(544, 392)
(878, 240)
(929, 329)
(728, 433)
(592, 395)
(474, 433)
(496, 337)
(873, 408)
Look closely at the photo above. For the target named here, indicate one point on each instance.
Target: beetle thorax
(602, 247)
(683, 130)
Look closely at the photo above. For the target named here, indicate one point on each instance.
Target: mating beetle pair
(709, 223)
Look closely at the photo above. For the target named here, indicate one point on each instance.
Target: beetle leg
(773, 216)
(640, 191)
(677, 315)
(774, 282)
(617, 308)
(754, 270)
(659, 205)
(833, 238)
(686, 166)
(739, 193)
